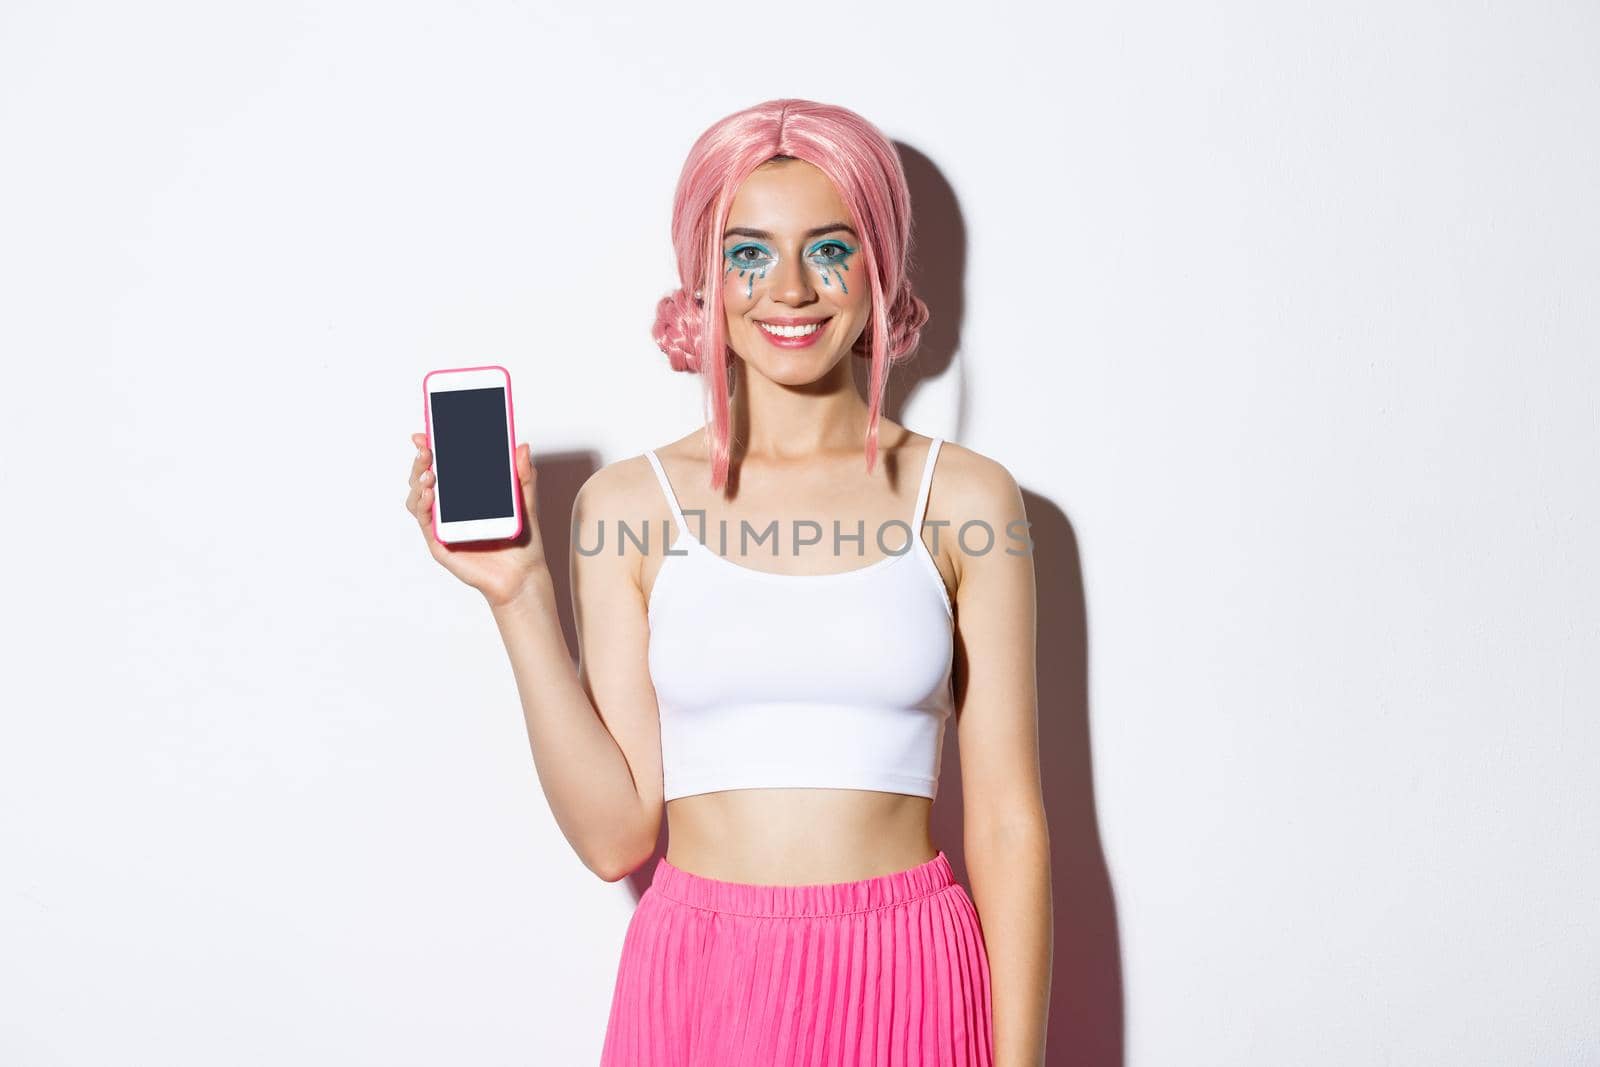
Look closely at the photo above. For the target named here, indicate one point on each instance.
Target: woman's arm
(593, 727)
(1006, 839)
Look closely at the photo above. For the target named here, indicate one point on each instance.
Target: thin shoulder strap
(666, 489)
(922, 490)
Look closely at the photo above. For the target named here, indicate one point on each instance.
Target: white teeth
(791, 331)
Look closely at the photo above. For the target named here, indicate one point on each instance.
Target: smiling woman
(803, 914)
(808, 198)
(787, 717)
(806, 295)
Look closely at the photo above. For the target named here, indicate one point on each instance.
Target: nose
(790, 282)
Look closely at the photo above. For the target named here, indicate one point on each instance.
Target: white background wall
(1285, 317)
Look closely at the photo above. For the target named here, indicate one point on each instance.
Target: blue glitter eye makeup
(840, 249)
(748, 254)
(751, 261)
(832, 257)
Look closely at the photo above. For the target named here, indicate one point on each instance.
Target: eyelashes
(752, 260)
(750, 253)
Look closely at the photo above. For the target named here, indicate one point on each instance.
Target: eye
(831, 252)
(747, 255)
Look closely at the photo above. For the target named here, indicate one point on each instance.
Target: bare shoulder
(628, 490)
(623, 487)
(624, 492)
(974, 485)
(980, 503)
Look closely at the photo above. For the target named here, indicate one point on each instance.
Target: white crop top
(765, 680)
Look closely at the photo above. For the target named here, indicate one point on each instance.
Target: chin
(795, 372)
(793, 368)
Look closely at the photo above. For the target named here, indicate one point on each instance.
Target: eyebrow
(745, 231)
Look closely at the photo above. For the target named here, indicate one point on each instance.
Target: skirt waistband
(821, 898)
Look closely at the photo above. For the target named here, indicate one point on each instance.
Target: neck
(781, 422)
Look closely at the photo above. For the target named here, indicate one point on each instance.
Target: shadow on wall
(1086, 1027)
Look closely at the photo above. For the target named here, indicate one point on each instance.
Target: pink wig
(865, 169)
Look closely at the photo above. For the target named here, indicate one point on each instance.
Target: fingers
(422, 509)
(419, 501)
(424, 456)
(420, 474)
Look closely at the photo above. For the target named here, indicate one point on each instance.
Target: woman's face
(791, 259)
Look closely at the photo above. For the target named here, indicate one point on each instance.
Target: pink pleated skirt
(883, 972)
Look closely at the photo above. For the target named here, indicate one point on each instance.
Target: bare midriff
(798, 836)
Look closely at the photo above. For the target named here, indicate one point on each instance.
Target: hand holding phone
(471, 486)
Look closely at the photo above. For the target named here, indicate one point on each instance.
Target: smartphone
(476, 495)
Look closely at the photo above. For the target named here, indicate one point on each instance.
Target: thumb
(526, 475)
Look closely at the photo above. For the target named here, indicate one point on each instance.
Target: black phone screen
(472, 454)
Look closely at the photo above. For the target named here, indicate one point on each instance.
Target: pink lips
(793, 342)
